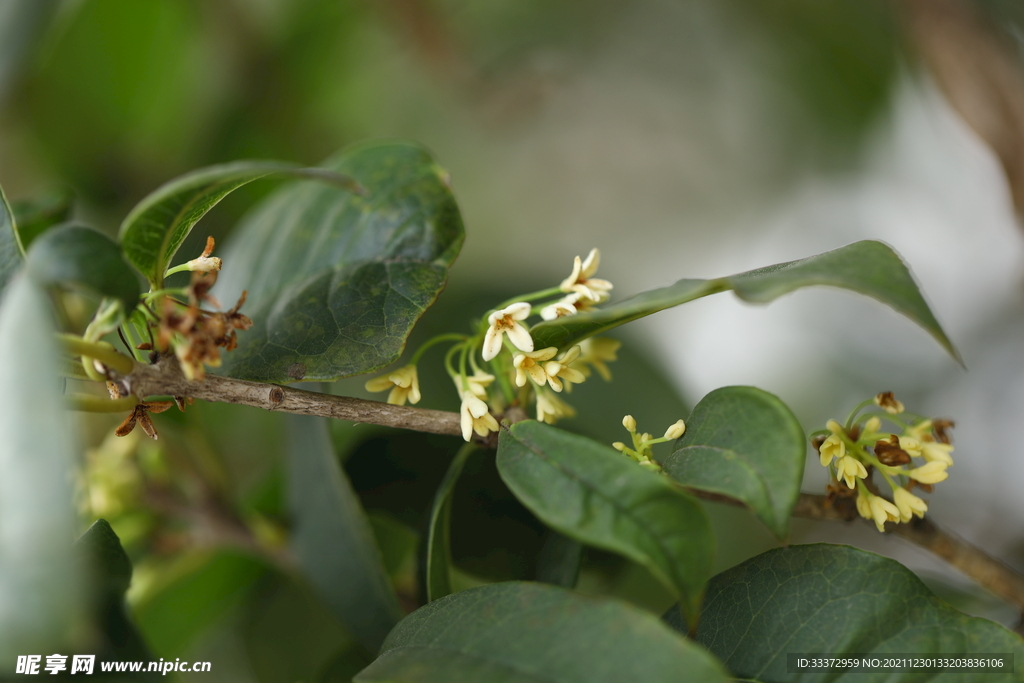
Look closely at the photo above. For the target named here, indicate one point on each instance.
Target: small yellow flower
(506, 321)
(908, 504)
(550, 408)
(849, 469)
(937, 452)
(477, 383)
(864, 504)
(835, 427)
(475, 417)
(530, 364)
(832, 447)
(596, 352)
(872, 426)
(403, 382)
(561, 370)
(911, 445)
(676, 430)
(561, 308)
(629, 422)
(919, 430)
(883, 511)
(887, 402)
(582, 281)
(930, 473)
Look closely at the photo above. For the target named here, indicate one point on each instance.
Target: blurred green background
(685, 139)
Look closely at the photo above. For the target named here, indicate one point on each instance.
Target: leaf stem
(101, 351)
(98, 404)
(432, 342)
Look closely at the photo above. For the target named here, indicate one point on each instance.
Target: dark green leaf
(439, 544)
(11, 257)
(533, 633)
(744, 443)
(156, 227)
(39, 582)
(110, 572)
(33, 218)
(81, 258)
(598, 496)
(110, 563)
(335, 280)
(866, 267)
(559, 560)
(332, 539)
(839, 600)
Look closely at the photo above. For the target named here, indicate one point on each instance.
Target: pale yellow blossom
(596, 352)
(550, 408)
(506, 321)
(403, 382)
(832, 447)
(883, 511)
(908, 504)
(561, 370)
(583, 282)
(475, 417)
(531, 364)
(850, 469)
(937, 452)
(929, 473)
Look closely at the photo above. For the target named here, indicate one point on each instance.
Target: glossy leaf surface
(336, 280)
(439, 550)
(744, 443)
(331, 538)
(78, 257)
(839, 600)
(34, 217)
(152, 232)
(867, 267)
(533, 633)
(598, 496)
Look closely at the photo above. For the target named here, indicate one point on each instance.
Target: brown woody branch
(165, 379)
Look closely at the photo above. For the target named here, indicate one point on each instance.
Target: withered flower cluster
(196, 335)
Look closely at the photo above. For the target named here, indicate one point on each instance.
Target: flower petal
(519, 336)
(492, 343)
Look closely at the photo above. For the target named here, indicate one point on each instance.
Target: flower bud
(629, 423)
(676, 430)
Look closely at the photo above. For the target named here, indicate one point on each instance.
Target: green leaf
(110, 572)
(39, 582)
(151, 234)
(331, 538)
(81, 258)
(534, 633)
(867, 267)
(559, 560)
(600, 497)
(11, 257)
(838, 600)
(191, 595)
(335, 280)
(744, 443)
(439, 546)
(33, 218)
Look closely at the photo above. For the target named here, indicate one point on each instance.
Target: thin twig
(165, 379)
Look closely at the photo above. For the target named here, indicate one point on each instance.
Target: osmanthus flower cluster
(497, 366)
(641, 450)
(914, 454)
